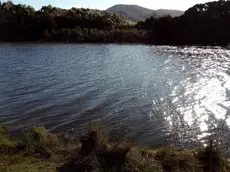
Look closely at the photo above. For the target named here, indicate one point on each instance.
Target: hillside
(138, 13)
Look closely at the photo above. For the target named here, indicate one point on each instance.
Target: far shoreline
(119, 43)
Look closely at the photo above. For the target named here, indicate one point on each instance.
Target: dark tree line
(203, 24)
(23, 23)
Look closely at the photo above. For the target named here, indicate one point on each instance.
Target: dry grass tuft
(173, 160)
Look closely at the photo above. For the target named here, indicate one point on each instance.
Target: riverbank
(42, 42)
(39, 150)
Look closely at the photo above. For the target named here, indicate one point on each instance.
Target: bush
(5, 142)
(39, 141)
(96, 153)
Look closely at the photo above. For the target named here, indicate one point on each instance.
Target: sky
(104, 4)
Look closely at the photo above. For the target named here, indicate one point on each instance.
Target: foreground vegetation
(38, 150)
(202, 24)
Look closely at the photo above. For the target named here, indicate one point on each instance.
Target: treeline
(23, 23)
(96, 35)
(203, 24)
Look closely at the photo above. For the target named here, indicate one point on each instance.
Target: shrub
(5, 142)
(96, 153)
(38, 140)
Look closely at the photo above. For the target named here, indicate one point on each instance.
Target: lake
(152, 94)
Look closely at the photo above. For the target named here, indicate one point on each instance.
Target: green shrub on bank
(96, 153)
(40, 141)
(5, 142)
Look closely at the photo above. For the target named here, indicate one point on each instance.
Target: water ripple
(155, 94)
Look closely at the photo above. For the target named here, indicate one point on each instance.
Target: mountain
(138, 13)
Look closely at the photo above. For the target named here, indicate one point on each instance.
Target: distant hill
(138, 13)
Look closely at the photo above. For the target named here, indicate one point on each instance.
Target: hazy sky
(104, 4)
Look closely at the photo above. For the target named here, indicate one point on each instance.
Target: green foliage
(2, 129)
(96, 153)
(203, 24)
(95, 35)
(39, 141)
(23, 23)
(5, 142)
(21, 163)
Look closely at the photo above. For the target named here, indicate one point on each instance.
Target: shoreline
(109, 43)
(38, 150)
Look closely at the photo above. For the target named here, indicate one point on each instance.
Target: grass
(38, 150)
(39, 141)
(21, 163)
(6, 143)
(177, 160)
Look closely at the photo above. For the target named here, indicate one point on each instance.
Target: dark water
(152, 94)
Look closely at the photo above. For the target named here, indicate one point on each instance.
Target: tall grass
(38, 140)
(39, 150)
(5, 142)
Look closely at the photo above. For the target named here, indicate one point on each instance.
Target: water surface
(154, 94)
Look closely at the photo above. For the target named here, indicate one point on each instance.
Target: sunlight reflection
(202, 99)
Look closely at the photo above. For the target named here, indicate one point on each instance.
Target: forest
(202, 24)
(21, 23)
